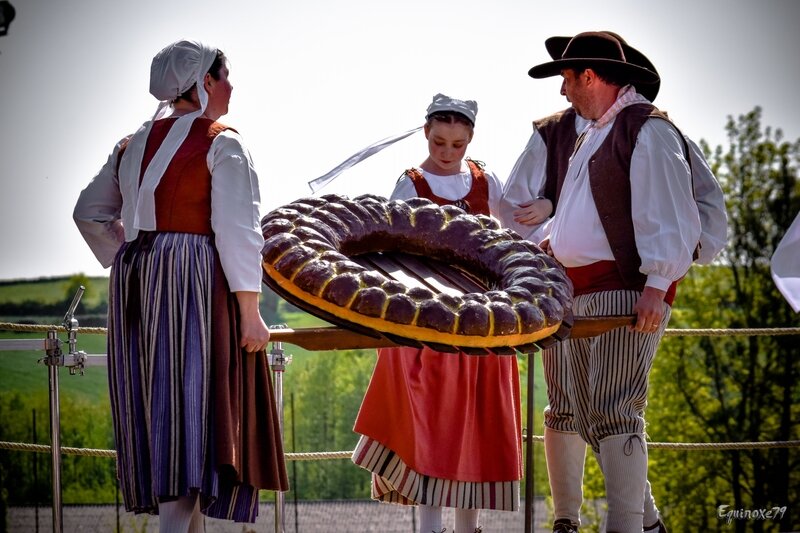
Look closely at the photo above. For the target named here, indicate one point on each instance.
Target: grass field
(52, 290)
(21, 372)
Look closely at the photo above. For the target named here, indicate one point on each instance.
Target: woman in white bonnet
(175, 213)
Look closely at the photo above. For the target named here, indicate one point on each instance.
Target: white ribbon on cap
(174, 70)
(441, 102)
(317, 183)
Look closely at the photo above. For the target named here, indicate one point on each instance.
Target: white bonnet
(441, 102)
(177, 67)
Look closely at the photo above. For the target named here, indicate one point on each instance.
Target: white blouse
(235, 206)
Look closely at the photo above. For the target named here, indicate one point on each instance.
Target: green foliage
(329, 391)
(733, 388)
(46, 300)
(84, 424)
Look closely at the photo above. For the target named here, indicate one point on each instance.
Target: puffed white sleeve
(524, 183)
(235, 217)
(666, 221)
(97, 211)
(495, 193)
(711, 205)
(403, 189)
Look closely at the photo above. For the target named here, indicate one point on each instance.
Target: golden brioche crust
(308, 256)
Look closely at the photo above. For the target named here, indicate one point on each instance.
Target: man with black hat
(539, 172)
(626, 227)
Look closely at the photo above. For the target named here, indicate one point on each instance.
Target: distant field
(20, 370)
(51, 290)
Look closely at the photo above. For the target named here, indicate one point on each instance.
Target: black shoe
(658, 527)
(564, 525)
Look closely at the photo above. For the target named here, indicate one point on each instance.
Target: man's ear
(589, 76)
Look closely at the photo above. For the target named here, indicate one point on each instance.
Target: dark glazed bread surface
(311, 242)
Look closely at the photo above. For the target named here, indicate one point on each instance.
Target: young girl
(443, 429)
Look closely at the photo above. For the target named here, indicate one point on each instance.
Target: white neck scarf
(175, 69)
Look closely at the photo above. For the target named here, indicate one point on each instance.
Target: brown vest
(558, 133)
(476, 200)
(609, 179)
(183, 196)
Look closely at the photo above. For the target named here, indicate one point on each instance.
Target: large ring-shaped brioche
(309, 246)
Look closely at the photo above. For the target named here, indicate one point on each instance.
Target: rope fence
(317, 456)
(325, 456)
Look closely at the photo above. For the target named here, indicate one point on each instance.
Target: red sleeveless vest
(476, 200)
(183, 196)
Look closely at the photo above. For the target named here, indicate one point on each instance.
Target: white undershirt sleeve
(711, 205)
(235, 204)
(97, 211)
(524, 184)
(665, 217)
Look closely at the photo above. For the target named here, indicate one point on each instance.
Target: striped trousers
(598, 386)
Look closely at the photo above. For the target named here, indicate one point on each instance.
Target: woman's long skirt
(442, 429)
(190, 409)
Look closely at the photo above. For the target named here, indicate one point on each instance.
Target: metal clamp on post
(76, 366)
(277, 358)
(53, 359)
(52, 349)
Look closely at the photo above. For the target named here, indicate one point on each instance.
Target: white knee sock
(651, 515)
(174, 516)
(467, 520)
(565, 454)
(624, 463)
(430, 519)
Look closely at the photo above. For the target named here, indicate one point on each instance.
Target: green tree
(734, 388)
(74, 283)
(329, 390)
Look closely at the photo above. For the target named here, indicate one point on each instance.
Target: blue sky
(316, 80)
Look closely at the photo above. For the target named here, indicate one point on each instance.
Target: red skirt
(448, 416)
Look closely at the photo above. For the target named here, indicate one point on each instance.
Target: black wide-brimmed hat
(596, 48)
(556, 46)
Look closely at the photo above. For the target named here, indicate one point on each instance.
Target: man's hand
(649, 309)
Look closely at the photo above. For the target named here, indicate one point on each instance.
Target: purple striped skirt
(159, 346)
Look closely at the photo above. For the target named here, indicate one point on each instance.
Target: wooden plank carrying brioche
(308, 256)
